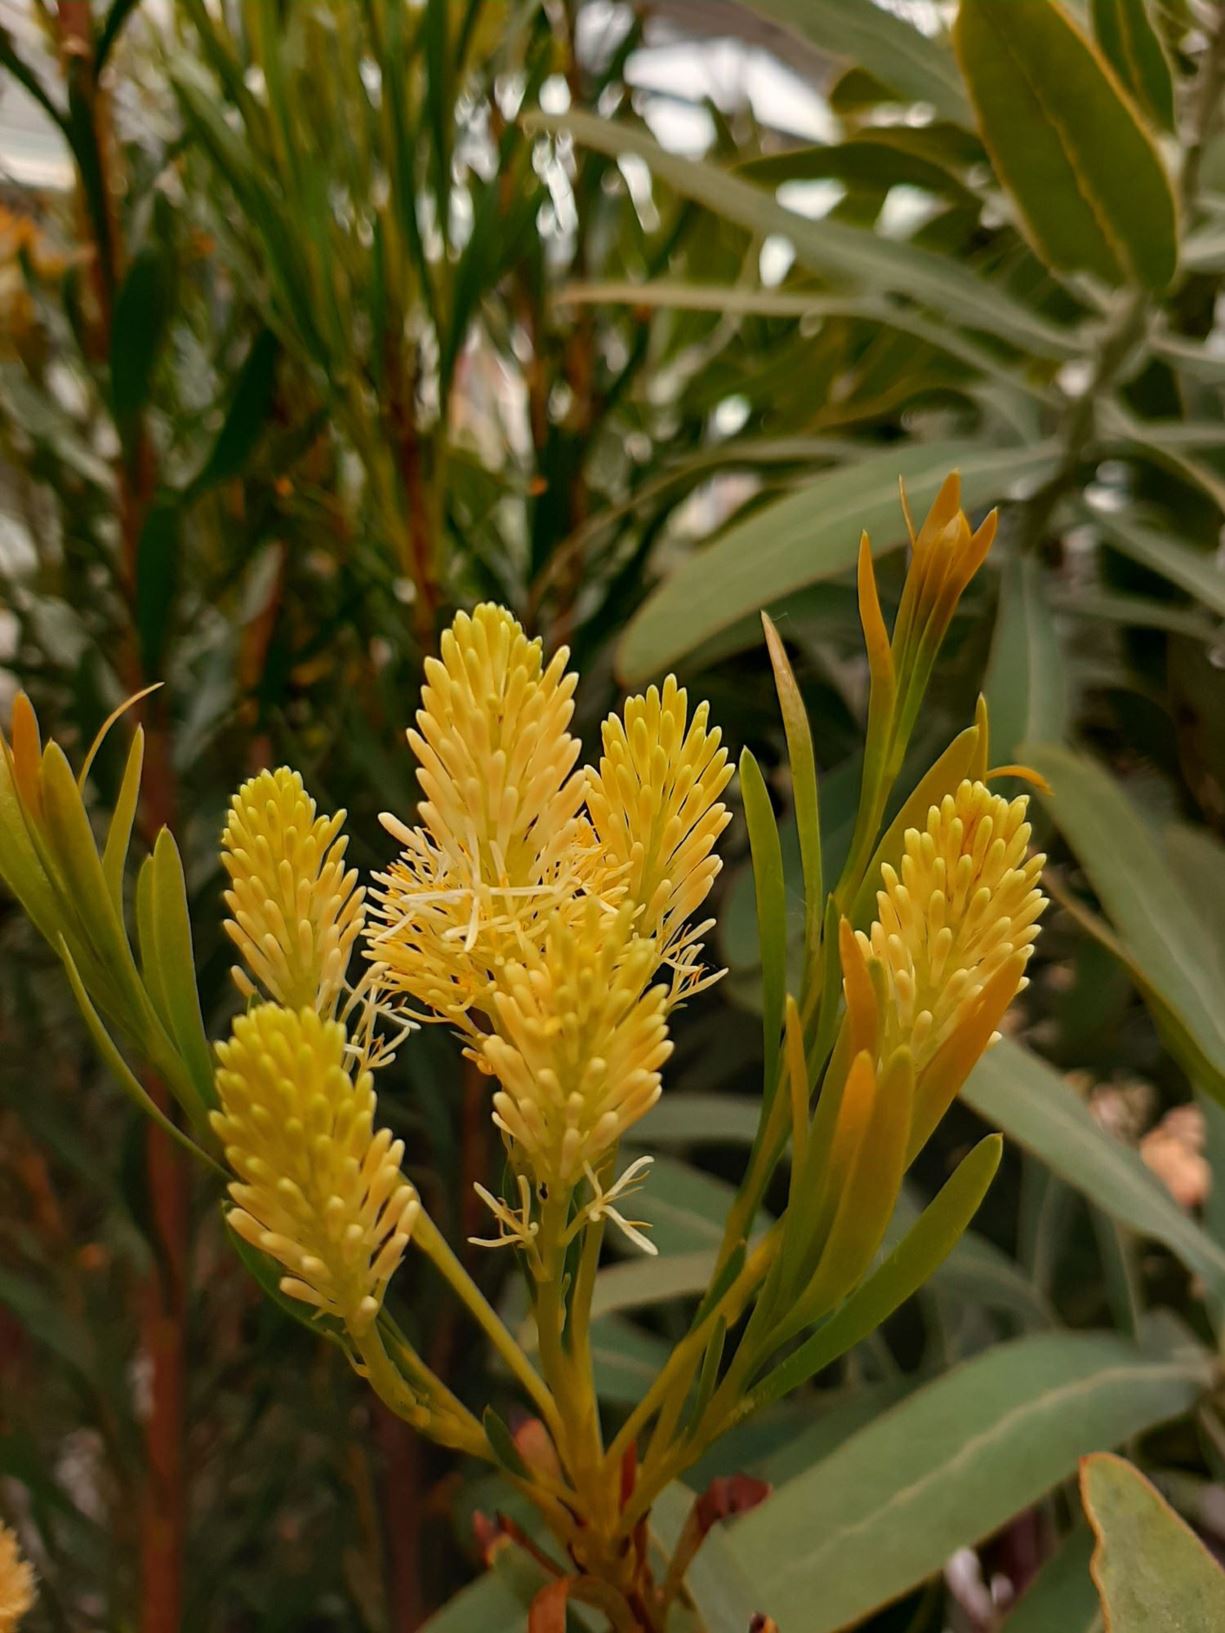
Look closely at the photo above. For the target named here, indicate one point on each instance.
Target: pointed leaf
(922, 1250)
(771, 914)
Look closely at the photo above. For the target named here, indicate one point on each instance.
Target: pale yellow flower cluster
(536, 902)
(317, 1189)
(962, 906)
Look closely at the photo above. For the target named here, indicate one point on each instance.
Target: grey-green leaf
(949, 1465)
(810, 535)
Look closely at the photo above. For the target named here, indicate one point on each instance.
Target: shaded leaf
(1133, 48)
(1156, 923)
(1085, 175)
(1015, 1091)
(1062, 1594)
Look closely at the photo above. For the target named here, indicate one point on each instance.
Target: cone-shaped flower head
(500, 843)
(656, 811)
(16, 1583)
(959, 911)
(295, 911)
(317, 1188)
(578, 1045)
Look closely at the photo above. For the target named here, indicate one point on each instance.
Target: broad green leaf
(1152, 1571)
(950, 1465)
(771, 896)
(1156, 923)
(1012, 1090)
(1195, 571)
(810, 535)
(1084, 173)
(143, 310)
(1061, 1598)
(870, 37)
(832, 248)
(1133, 48)
(1026, 684)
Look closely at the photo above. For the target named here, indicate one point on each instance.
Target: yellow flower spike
(655, 808)
(502, 848)
(578, 1045)
(16, 1583)
(317, 1189)
(964, 902)
(493, 747)
(295, 910)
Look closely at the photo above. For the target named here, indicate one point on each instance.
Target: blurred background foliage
(321, 319)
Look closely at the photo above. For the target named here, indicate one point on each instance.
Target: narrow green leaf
(117, 15)
(247, 415)
(1151, 1570)
(143, 309)
(1132, 45)
(1195, 571)
(771, 914)
(951, 1464)
(925, 1246)
(1027, 683)
(1015, 1091)
(118, 1067)
(502, 1444)
(172, 938)
(832, 248)
(1156, 923)
(810, 535)
(119, 833)
(803, 765)
(1086, 176)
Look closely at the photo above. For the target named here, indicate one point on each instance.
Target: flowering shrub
(548, 913)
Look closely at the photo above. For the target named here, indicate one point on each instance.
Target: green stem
(437, 1249)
